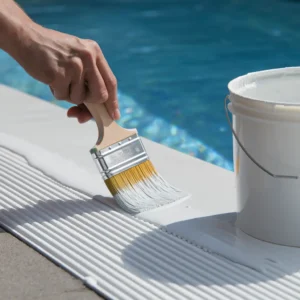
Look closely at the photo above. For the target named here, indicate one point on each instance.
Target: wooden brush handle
(109, 132)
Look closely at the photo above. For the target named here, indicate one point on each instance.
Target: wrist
(16, 35)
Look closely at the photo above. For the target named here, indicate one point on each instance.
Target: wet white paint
(216, 234)
(52, 164)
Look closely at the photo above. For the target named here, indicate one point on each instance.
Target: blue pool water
(173, 59)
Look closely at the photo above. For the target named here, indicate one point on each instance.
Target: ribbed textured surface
(118, 255)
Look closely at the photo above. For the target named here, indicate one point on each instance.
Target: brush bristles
(130, 177)
(141, 188)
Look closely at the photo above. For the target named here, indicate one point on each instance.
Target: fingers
(86, 64)
(77, 87)
(111, 85)
(96, 86)
(102, 82)
(80, 112)
(61, 90)
(60, 87)
(71, 90)
(73, 112)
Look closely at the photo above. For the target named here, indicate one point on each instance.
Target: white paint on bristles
(151, 193)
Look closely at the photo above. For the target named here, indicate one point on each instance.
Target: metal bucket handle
(247, 153)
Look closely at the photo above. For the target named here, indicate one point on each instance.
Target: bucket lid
(279, 87)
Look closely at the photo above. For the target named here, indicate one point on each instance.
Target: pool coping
(31, 118)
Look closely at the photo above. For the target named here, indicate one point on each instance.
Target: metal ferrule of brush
(120, 156)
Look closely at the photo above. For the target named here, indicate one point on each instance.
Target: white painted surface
(124, 256)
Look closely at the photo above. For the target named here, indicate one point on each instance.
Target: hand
(75, 69)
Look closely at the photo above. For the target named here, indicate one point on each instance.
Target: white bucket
(266, 120)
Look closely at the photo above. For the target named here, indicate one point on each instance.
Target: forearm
(14, 26)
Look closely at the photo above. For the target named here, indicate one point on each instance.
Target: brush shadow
(191, 265)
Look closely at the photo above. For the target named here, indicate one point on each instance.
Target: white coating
(173, 264)
(207, 237)
(44, 160)
(124, 257)
(70, 175)
(269, 208)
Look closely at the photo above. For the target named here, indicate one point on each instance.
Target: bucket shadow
(151, 255)
(154, 257)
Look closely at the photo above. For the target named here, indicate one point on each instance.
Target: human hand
(75, 69)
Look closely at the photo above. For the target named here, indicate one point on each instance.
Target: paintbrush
(126, 168)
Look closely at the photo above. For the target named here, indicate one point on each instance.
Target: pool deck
(26, 274)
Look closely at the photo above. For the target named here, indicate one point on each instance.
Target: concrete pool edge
(34, 120)
(212, 187)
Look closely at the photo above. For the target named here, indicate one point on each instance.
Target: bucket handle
(247, 153)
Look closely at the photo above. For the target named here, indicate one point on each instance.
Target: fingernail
(116, 114)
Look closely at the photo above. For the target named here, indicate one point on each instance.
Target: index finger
(96, 88)
(110, 80)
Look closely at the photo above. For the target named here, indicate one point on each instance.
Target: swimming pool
(173, 60)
